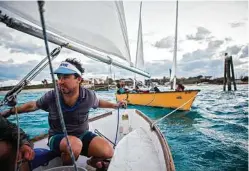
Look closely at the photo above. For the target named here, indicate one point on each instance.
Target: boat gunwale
(161, 92)
(165, 147)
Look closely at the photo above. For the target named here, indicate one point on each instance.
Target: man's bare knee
(108, 151)
(76, 145)
(99, 147)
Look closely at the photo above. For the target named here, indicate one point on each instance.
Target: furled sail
(139, 54)
(97, 25)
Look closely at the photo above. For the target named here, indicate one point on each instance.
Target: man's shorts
(86, 138)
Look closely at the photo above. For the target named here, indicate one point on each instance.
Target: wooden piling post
(229, 87)
(225, 74)
(228, 68)
(233, 77)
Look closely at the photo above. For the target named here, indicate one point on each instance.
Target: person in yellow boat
(8, 146)
(76, 102)
(180, 87)
(121, 88)
(138, 90)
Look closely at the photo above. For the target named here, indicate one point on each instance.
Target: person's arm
(126, 89)
(106, 104)
(27, 107)
(97, 103)
(31, 106)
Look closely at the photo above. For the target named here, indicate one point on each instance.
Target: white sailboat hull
(138, 148)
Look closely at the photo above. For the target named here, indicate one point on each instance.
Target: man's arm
(27, 107)
(106, 104)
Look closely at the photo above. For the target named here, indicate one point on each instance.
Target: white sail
(140, 52)
(173, 74)
(98, 25)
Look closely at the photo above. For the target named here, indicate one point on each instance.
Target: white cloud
(237, 24)
(206, 30)
(201, 34)
(244, 52)
(167, 42)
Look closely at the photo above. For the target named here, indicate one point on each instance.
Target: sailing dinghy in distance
(99, 33)
(181, 100)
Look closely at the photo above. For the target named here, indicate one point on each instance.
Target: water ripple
(213, 136)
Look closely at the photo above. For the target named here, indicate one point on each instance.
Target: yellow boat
(168, 99)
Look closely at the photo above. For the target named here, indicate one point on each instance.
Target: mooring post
(228, 63)
(233, 77)
(225, 73)
(228, 69)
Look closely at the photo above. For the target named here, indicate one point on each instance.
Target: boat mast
(175, 51)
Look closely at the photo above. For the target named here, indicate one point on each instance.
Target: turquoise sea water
(212, 136)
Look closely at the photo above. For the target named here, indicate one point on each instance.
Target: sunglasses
(59, 76)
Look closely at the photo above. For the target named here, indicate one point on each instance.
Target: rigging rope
(153, 124)
(111, 75)
(110, 69)
(115, 142)
(152, 99)
(18, 139)
(116, 135)
(10, 97)
(41, 10)
(102, 135)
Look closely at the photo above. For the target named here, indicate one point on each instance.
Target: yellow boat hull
(167, 99)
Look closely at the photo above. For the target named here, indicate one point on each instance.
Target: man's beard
(67, 91)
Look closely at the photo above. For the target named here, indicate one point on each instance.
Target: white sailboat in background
(181, 100)
(97, 30)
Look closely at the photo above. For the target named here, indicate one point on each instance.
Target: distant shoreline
(101, 87)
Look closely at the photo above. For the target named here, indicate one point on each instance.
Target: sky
(206, 30)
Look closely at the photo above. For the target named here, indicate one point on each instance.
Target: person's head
(118, 85)
(69, 75)
(180, 87)
(122, 83)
